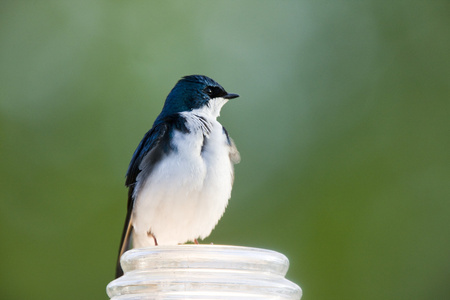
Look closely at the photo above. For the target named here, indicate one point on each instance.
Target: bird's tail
(125, 243)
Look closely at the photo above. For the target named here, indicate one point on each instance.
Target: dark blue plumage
(190, 93)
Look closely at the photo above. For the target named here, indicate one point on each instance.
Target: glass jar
(203, 272)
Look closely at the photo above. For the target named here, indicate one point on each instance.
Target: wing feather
(149, 145)
(151, 149)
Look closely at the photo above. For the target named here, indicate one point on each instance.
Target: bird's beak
(230, 96)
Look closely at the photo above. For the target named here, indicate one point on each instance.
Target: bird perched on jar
(180, 176)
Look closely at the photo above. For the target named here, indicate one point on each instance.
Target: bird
(181, 174)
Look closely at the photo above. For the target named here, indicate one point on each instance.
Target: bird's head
(196, 92)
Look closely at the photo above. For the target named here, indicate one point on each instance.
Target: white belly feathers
(188, 191)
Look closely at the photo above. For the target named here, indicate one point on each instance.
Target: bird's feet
(149, 234)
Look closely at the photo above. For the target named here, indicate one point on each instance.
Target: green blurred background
(343, 126)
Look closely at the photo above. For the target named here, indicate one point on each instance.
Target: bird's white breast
(187, 192)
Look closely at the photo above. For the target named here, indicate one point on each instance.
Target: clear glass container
(203, 272)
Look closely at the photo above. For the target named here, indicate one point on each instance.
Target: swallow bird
(180, 176)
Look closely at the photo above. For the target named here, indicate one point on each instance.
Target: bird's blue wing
(153, 144)
(148, 143)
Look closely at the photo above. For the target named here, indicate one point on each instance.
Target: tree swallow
(180, 176)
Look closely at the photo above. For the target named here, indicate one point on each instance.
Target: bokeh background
(343, 127)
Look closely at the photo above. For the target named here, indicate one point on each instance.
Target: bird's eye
(208, 90)
(214, 91)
